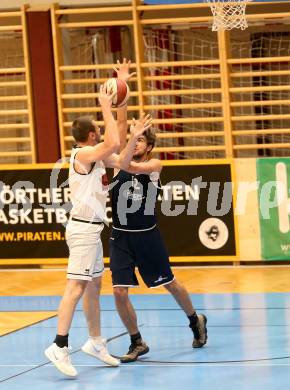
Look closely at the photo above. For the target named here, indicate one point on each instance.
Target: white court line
(250, 364)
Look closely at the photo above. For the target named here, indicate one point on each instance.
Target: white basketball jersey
(88, 191)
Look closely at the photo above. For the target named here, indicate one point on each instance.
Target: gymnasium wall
(211, 94)
(210, 211)
(247, 214)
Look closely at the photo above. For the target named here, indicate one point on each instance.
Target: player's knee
(76, 289)
(173, 287)
(93, 291)
(96, 285)
(121, 294)
(98, 289)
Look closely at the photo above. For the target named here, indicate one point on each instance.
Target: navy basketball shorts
(144, 250)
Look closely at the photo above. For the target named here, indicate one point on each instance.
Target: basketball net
(228, 14)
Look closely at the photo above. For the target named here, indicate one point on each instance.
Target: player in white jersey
(88, 184)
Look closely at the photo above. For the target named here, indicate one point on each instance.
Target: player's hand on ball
(105, 96)
(123, 70)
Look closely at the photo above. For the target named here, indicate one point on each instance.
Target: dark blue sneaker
(135, 350)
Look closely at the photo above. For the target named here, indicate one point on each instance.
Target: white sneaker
(99, 351)
(61, 359)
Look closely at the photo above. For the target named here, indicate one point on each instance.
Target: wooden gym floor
(197, 280)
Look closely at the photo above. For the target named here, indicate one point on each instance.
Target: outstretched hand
(138, 127)
(123, 70)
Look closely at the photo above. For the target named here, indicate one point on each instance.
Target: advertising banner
(202, 223)
(32, 218)
(273, 175)
(195, 212)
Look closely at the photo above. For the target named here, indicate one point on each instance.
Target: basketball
(120, 87)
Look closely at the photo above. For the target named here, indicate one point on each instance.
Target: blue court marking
(248, 348)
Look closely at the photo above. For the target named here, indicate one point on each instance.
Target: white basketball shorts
(85, 250)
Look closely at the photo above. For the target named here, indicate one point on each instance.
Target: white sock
(97, 340)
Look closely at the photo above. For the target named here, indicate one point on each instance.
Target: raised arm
(153, 165)
(111, 144)
(137, 128)
(124, 159)
(123, 73)
(111, 136)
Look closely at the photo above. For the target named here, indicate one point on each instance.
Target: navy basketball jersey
(134, 199)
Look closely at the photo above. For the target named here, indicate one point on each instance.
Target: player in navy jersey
(136, 240)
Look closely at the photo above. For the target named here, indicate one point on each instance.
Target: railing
(16, 119)
(202, 106)
(212, 95)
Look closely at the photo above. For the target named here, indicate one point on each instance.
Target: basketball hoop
(228, 14)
